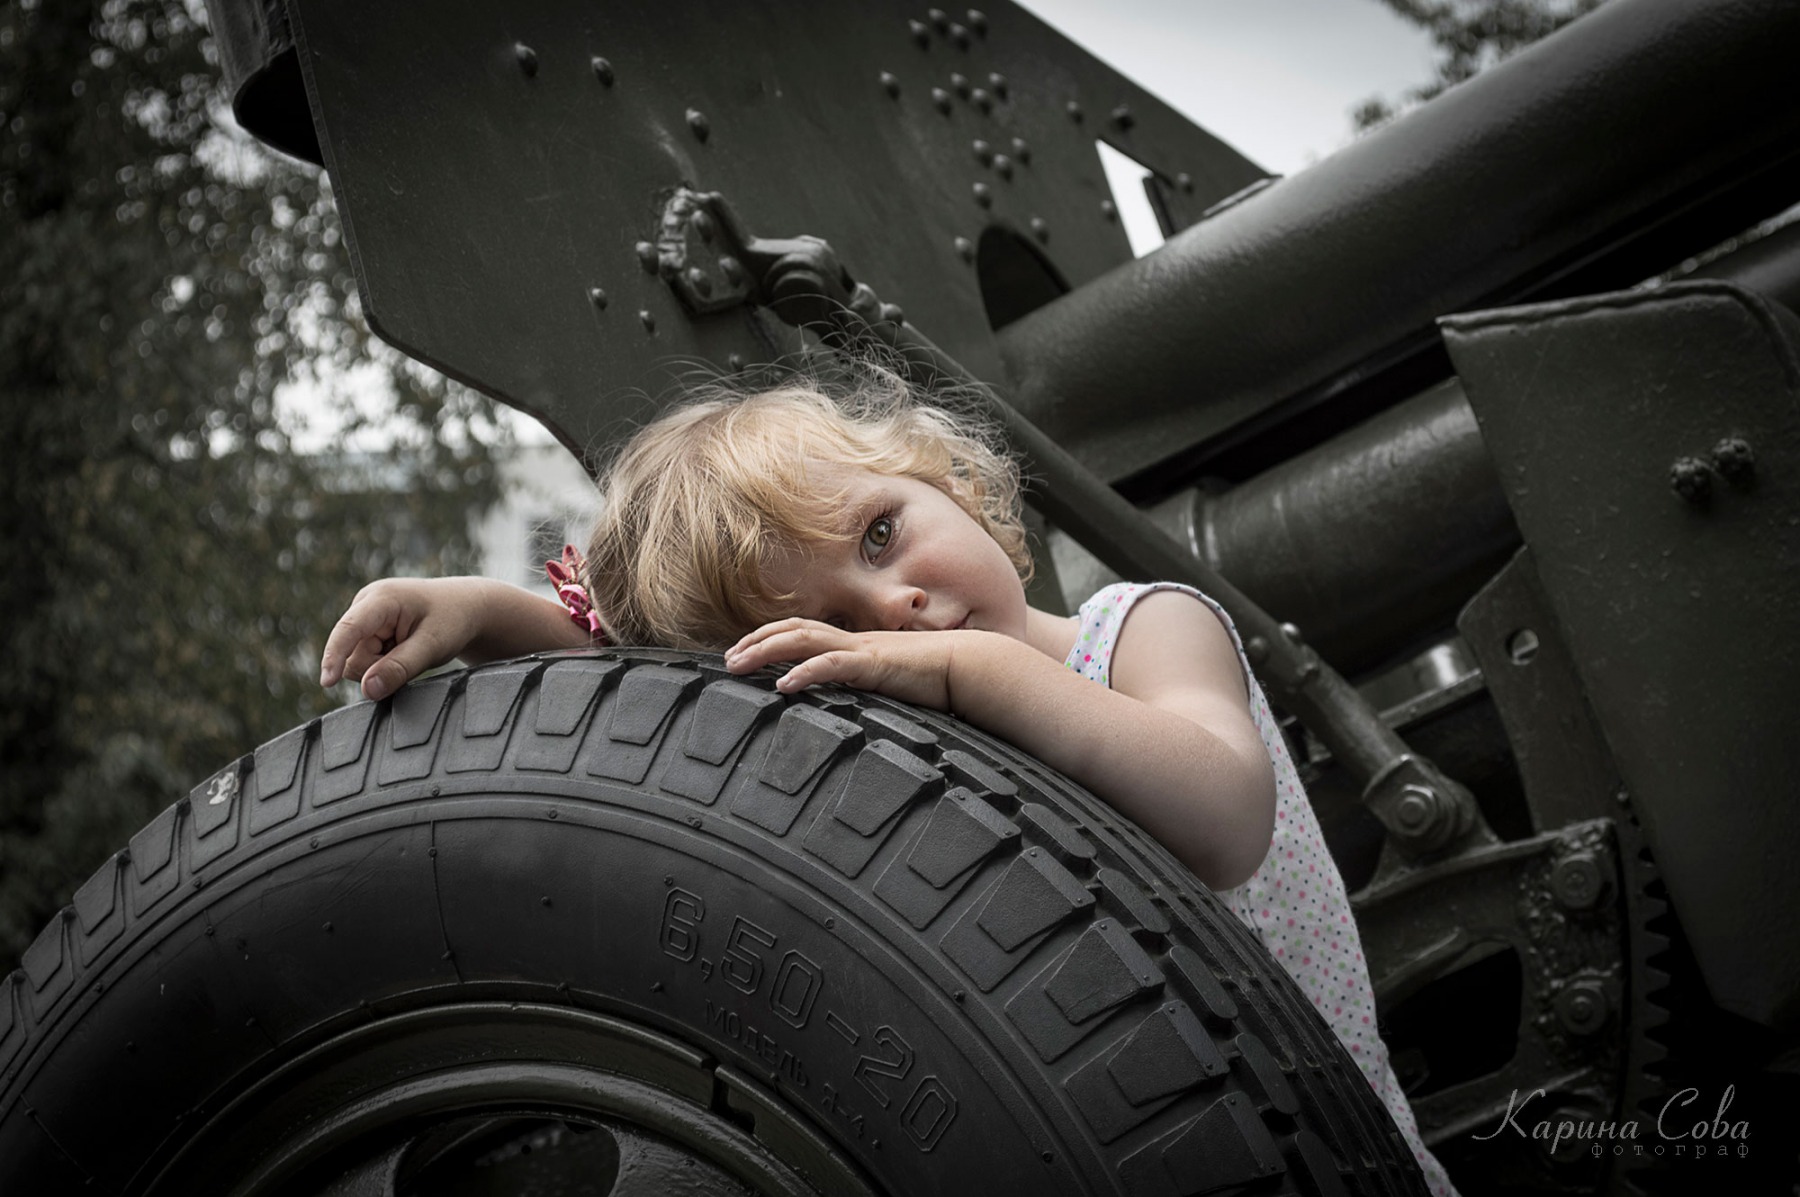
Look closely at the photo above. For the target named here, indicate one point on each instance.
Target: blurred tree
(170, 557)
(1470, 35)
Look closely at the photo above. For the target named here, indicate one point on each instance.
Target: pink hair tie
(565, 575)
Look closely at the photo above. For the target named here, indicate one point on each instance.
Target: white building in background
(546, 501)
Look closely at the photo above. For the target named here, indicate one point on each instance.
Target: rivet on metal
(1003, 166)
(603, 70)
(597, 297)
(984, 153)
(984, 195)
(983, 99)
(890, 83)
(1733, 458)
(997, 82)
(646, 253)
(527, 58)
(1122, 117)
(1040, 228)
(940, 20)
(920, 33)
(941, 98)
(647, 320)
(960, 83)
(699, 124)
(1522, 646)
(697, 279)
(965, 249)
(1109, 209)
(1691, 478)
(978, 21)
(1577, 881)
(1185, 181)
(1021, 151)
(1073, 108)
(960, 35)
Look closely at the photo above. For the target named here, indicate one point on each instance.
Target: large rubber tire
(825, 944)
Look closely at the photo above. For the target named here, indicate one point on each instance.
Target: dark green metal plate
(498, 165)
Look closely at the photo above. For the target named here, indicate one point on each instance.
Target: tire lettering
(740, 964)
(895, 1061)
(797, 986)
(682, 912)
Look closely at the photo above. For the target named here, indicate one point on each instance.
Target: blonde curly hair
(698, 503)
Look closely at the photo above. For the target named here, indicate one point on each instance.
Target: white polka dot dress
(1296, 900)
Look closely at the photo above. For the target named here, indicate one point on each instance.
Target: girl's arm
(397, 628)
(1171, 745)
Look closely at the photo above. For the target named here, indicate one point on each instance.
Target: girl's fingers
(408, 660)
(365, 620)
(790, 640)
(840, 665)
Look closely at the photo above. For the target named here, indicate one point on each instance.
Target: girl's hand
(911, 666)
(398, 628)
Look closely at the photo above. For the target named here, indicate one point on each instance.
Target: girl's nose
(901, 606)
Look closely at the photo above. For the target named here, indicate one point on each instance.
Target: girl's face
(914, 561)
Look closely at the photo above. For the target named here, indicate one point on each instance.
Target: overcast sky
(1274, 78)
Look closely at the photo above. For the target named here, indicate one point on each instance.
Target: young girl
(875, 542)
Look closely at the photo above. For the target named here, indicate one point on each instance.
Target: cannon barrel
(1643, 133)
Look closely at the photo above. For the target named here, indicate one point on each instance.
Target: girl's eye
(878, 536)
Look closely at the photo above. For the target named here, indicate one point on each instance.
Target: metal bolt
(940, 20)
(920, 33)
(1021, 151)
(527, 58)
(597, 297)
(1415, 810)
(699, 124)
(1522, 646)
(1582, 1007)
(984, 195)
(1073, 108)
(603, 70)
(960, 83)
(647, 320)
(1003, 166)
(1040, 228)
(1691, 478)
(646, 253)
(984, 153)
(697, 279)
(1122, 117)
(1577, 881)
(1733, 458)
(997, 83)
(978, 21)
(941, 98)
(983, 100)
(890, 83)
(1109, 209)
(965, 249)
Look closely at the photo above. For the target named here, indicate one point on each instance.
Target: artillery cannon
(1511, 532)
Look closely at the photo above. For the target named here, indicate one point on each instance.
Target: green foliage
(1470, 35)
(170, 558)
